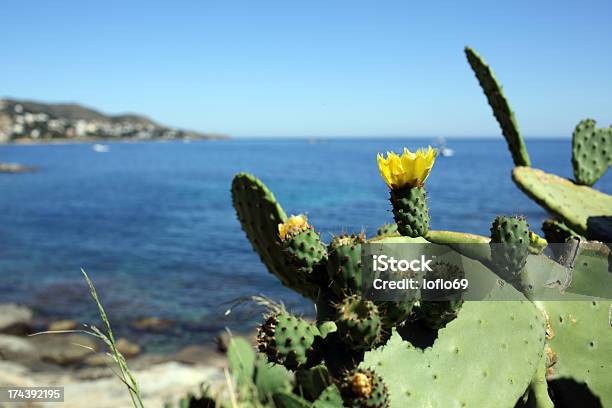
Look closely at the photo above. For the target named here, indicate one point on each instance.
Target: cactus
(359, 323)
(586, 211)
(464, 364)
(289, 340)
(444, 305)
(487, 353)
(362, 388)
(260, 214)
(405, 176)
(501, 108)
(344, 265)
(303, 249)
(344, 342)
(387, 229)
(509, 247)
(591, 152)
(410, 211)
(580, 338)
(394, 312)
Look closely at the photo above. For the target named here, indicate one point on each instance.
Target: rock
(18, 349)
(15, 168)
(99, 360)
(152, 324)
(223, 340)
(62, 325)
(65, 349)
(15, 319)
(158, 384)
(15, 375)
(193, 355)
(127, 348)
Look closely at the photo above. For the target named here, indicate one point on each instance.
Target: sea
(153, 225)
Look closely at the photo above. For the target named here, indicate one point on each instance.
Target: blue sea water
(153, 225)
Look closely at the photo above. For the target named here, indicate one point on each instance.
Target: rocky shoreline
(79, 363)
(15, 168)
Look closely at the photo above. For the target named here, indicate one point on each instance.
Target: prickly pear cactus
(305, 252)
(591, 152)
(260, 214)
(501, 108)
(580, 338)
(344, 264)
(586, 211)
(509, 246)
(387, 229)
(359, 323)
(362, 388)
(444, 305)
(289, 340)
(410, 211)
(465, 364)
(394, 312)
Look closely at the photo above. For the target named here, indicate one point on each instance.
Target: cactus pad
(289, 340)
(580, 337)
(410, 211)
(394, 312)
(591, 152)
(359, 323)
(260, 214)
(387, 229)
(362, 388)
(305, 252)
(509, 246)
(501, 108)
(344, 264)
(444, 304)
(466, 362)
(585, 210)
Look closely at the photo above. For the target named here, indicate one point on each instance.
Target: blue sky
(315, 68)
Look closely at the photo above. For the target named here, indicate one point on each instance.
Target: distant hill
(22, 120)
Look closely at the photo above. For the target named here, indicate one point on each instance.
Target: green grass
(124, 374)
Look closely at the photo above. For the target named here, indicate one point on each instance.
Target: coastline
(65, 357)
(93, 140)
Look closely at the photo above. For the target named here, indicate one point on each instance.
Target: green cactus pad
(509, 246)
(501, 108)
(363, 388)
(344, 264)
(290, 400)
(305, 251)
(591, 152)
(486, 357)
(446, 304)
(310, 383)
(329, 398)
(394, 312)
(581, 339)
(289, 340)
(259, 214)
(359, 323)
(410, 211)
(387, 229)
(585, 210)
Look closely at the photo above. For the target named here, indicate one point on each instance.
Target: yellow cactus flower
(294, 224)
(408, 170)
